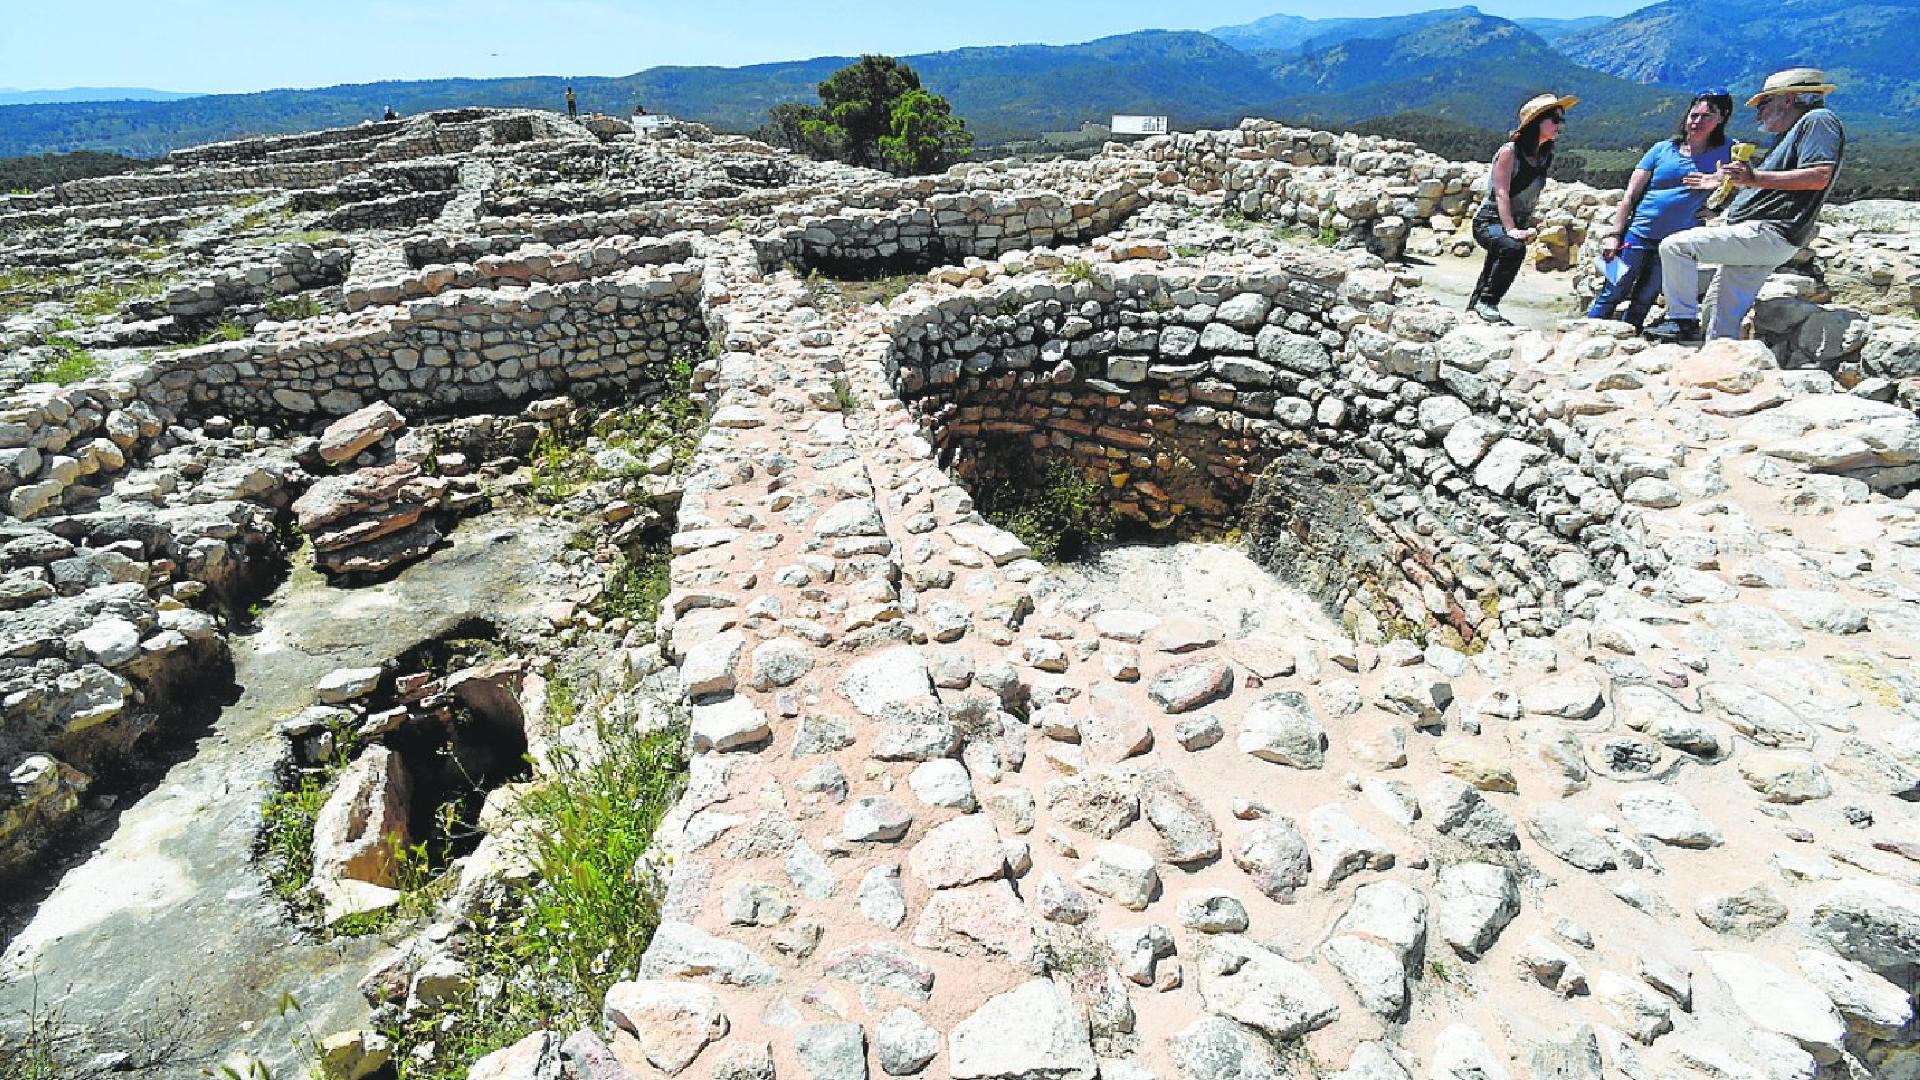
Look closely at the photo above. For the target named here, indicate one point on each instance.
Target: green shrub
(1059, 518)
(547, 962)
(843, 395)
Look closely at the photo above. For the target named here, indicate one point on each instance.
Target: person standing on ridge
(1514, 184)
(1659, 203)
(573, 107)
(1770, 220)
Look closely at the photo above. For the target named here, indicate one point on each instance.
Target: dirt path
(1537, 301)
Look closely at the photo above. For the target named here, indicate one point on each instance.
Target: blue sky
(230, 46)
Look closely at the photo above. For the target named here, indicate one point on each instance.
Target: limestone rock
(1281, 728)
(1187, 832)
(904, 1042)
(1777, 1000)
(1212, 912)
(363, 824)
(1030, 1033)
(1123, 874)
(345, 438)
(1275, 855)
(681, 950)
(1185, 686)
(1459, 1053)
(1257, 987)
(671, 1022)
(1216, 1048)
(958, 852)
(831, 1051)
(1874, 923)
(1668, 817)
(1476, 902)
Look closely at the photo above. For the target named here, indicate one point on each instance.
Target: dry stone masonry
(1597, 757)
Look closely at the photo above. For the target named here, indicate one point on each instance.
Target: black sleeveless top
(1523, 191)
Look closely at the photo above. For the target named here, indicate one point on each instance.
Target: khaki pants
(1746, 253)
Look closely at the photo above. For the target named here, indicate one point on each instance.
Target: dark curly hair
(1722, 104)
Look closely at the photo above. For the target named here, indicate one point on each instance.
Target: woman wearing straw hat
(1514, 184)
(1659, 202)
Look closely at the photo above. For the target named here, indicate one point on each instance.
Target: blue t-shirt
(1669, 205)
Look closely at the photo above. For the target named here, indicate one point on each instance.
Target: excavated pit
(447, 712)
(1214, 405)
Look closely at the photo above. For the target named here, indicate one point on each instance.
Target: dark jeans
(1639, 284)
(1504, 256)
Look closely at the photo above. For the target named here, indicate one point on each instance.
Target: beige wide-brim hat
(1793, 81)
(1537, 105)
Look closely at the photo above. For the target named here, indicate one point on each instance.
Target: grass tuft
(548, 961)
(70, 364)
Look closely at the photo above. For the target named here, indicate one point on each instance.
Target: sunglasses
(1718, 91)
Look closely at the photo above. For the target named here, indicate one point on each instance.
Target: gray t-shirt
(1815, 139)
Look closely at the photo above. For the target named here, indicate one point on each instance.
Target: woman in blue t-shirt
(1658, 204)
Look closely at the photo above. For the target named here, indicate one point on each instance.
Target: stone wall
(517, 266)
(947, 228)
(247, 178)
(288, 269)
(459, 350)
(1181, 392)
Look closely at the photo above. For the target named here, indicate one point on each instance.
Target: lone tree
(874, 113)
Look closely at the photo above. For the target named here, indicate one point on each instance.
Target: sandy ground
(1537, 301)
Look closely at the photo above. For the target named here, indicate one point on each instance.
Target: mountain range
(1457, 64)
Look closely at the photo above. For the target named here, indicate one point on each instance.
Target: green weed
(636, 586)
(70, 364)
(1059, 519)
(21, 287)
(286, 836)
(104, 300)
(293, 308)
(843, 395)
(35, 1053)
(303, 236)
(562, 465)
(1077, 270)
(547, 963)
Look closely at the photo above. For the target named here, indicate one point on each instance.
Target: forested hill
(1867, 48)
(1473, 69)
(1453, 63)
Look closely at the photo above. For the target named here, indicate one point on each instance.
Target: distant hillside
(1473, 70)
(1002, 91)
(1454, 63)
(1555, 29)
(1868, 47)
(11, 96)
(1293, 34)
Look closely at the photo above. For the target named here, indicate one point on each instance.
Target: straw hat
(1793, 81)
(1537, 105)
